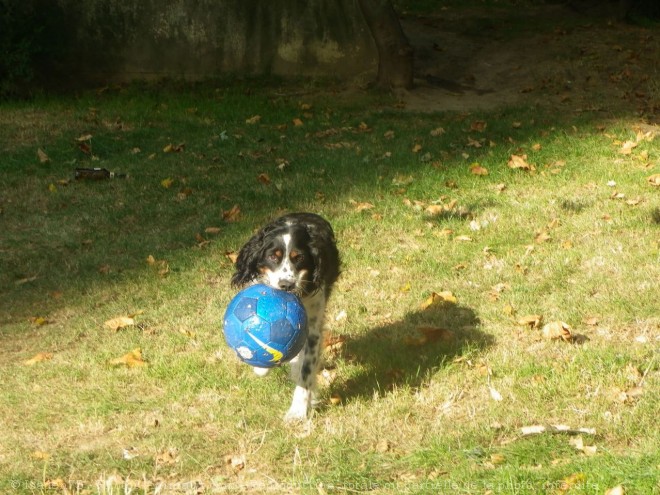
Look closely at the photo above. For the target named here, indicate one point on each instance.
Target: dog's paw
(261, 371)
(295, 415)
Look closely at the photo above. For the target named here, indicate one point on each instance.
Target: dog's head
(289, 254)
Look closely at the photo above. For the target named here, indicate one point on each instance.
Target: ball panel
(271, 307)
(245, 307)
(282, 331)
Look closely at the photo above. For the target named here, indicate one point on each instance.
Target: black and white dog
(296, 253)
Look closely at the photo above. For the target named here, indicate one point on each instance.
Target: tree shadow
(407, 352)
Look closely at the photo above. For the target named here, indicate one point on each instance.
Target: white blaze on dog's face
(287, 263)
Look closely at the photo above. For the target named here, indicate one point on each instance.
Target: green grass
(412, 419)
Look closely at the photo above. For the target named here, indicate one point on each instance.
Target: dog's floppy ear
(247, 262)
(324, 251)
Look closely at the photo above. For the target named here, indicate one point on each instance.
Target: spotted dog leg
(305, 366)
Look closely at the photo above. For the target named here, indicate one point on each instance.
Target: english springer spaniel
(295, 253)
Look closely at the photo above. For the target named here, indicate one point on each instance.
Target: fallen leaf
(38, 358)
(557, 330)
(232, 256)
(438, 299)
(389, 135)
(616, 490)
(335, 399)
(383, 445)
(477, 169)
(533, 321)
(131, 360)
(119, 323)
(84, 137)
(570, 481)
(417, 148)
(654, 179)
(438, 131)
(520, 162)
(167, 183)
(212, 230)
(39, 320)
(537, 147)
(463, 238)
(253, 120)
(167, 456)
(578, 443)
(43, 157)
(174, 148)
(362, 206)
(478, 125)
(297, 122)
(232, 215)
(541, 237)
(40, 455)
(264, 179)
(52, 188)
(627, 147)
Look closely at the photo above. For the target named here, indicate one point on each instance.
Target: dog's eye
(273, 257)
(297, 257)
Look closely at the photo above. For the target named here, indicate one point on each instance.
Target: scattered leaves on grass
(520, 162)
(120, 322)
(232, 215)
(40, 357)
(131, 359)
(578, 443)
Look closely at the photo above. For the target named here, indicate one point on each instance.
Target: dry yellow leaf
(253, 120)
(38, 358)
(151, 260)
(463, 238)
(362, 206)
(232, 215)
(39, 320)
(167, 183)
(335, 399)
(119, 323)
(264, 179)
(438, 298)
(132, 359)
(616, 490)
(533, 321)
(417, 148)
(477, 169)
(43, 157)
(557, 330)
(438, 131)
(297, 122)
(212, 230)
(520, 162)
(654, 179)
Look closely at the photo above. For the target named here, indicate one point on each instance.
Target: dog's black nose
(287, 285)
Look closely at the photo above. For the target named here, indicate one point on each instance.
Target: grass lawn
(462, 234)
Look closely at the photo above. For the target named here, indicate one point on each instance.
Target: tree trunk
(395, 55)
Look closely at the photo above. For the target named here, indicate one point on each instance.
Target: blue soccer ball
(265, 326)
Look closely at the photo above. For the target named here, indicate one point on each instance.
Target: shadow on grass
(406, 353)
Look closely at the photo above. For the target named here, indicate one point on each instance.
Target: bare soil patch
(551, 55)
